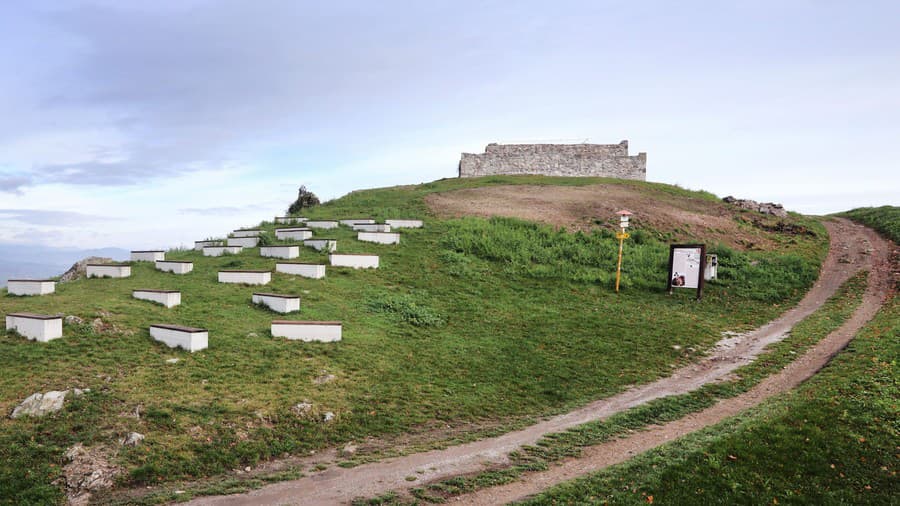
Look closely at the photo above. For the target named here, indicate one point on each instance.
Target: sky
(154, 124)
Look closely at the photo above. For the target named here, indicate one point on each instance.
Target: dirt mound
(579, 208)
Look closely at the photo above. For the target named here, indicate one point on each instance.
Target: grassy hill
(831, 441)
(470, 322)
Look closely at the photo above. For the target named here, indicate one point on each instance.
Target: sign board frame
(700, 281)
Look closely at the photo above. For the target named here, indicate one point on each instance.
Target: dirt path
(852, 248)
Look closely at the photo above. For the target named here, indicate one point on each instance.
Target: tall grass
(540, 251)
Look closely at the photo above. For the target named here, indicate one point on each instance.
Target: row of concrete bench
(44, 328)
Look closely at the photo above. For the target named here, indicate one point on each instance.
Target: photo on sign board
(686, 267)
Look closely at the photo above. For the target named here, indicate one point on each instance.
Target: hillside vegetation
(885, 219)
(469, 322)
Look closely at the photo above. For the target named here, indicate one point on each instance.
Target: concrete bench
(199, 245)
(315, 271)
(293, 233)
(377, 227)
(359, 221)
(108, 270)
(30, 286)
(246, 233)
(174, 266)
(289, 219)
(36, 327)
(148, 256)
(168, 298)
(322, 224)
(244, 242)
(405, 223)
(175, 336)
(246, 277)
(325, 332)
(356, 261)
(379, 237)
(321, 244)
(217, 251)
(280, 251)
(278, 303)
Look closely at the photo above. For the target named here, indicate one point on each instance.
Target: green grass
(441, 333)
(831, 441)
(570, 443)
(885, 219)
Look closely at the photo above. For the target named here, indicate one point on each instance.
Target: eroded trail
(853, 248)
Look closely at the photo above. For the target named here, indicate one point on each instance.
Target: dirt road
(853, 247)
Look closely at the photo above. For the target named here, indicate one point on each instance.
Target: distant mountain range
(29, 261)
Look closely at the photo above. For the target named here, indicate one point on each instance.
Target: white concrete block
(322, 224)
(30, 286)
(321, 244)
(217, 251)
(108, 270)
(379, 237)
(315, 271)
(354, 260)
(148, 256)
(248, 277)
(246, 233)
(405, 223)
(244, 242)
(278, 303)
(325, 332)
(289, 219)
(174, 266)
(199, 245)
(359, 221)
(168, 298)
(378, 227)
(280, 251)
(36, 327)
(175, 336)
(293, 233)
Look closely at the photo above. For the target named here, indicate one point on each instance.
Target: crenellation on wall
(602, 160)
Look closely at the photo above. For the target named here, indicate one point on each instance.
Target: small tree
(305, 200)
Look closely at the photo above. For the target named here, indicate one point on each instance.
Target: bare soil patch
(576, 208)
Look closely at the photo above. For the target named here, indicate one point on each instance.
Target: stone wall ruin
(597, 160)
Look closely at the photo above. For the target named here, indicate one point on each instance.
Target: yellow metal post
(621, 236)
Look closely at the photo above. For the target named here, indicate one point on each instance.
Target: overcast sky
(154, 124)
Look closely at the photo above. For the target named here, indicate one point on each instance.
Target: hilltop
(496, 312)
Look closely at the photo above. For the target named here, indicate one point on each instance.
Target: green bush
(408, 309)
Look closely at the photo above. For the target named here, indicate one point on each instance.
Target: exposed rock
(325, 378)
(301, 409)
(252, 335)
(329, 416)
(349, 450)
(79, 268)
(39, 404)
(73, 320)
(88, 470)
(172, 361)
(761, 207)
(132, 439)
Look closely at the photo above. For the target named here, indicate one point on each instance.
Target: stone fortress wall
(601, 160)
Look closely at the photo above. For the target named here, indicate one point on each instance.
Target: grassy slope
(832, 441)
(504, 337)
(885, 219)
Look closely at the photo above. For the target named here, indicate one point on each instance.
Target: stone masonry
(601, 160)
